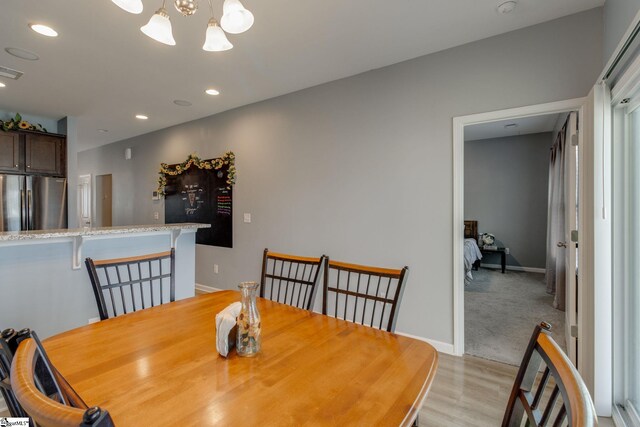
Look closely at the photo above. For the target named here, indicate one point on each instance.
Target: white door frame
(577, 104)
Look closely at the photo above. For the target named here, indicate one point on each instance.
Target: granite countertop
(96, 231)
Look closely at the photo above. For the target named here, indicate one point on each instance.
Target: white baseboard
(516, 268)
(442, 347)
(207, 289)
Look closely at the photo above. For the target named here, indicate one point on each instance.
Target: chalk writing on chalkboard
(224, 201)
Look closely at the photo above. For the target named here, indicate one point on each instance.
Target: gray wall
(361, 168)
(505, 190)
(618, 15)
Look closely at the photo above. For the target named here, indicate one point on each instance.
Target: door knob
(562, 244)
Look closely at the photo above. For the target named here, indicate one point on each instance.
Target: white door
(571, 229)
(84, 200)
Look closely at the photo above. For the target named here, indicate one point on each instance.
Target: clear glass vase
(248, 339)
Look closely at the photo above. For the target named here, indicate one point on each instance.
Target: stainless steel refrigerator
(32, 203)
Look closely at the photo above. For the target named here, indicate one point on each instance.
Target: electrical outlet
(156, 215)
(215, 268)
(247, 218)
(507, 251)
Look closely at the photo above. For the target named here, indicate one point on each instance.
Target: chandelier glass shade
(159, 28)
(131, 6)
(216, 40)
(235, 20)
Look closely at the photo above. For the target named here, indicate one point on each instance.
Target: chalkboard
(203, 196)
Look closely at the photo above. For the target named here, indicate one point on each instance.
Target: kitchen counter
(44, 283)
(10, 236)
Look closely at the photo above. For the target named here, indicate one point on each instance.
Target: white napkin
(225, 321)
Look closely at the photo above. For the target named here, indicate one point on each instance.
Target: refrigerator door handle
(23, 209)
(30, 209)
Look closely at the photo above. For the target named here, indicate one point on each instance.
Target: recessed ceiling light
(44, 30)
(103, 130)
(2, 84)
(507, 6)
(182, 103)
(141, 117)
(212, 92)
(10, 73)
(22, 54)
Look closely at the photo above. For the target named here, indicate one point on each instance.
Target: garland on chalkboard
(228, 159)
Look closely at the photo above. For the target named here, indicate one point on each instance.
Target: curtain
(556, 227)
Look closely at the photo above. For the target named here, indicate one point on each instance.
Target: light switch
(247, 218)
(215, 268)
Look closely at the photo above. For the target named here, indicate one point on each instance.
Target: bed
(472, 252)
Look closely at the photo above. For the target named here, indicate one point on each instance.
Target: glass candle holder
(248, 339)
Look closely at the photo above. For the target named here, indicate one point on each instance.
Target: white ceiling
(524, 126)
(103, 70)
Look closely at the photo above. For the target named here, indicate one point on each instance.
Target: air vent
(10, 73)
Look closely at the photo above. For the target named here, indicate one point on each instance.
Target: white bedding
(471, 255)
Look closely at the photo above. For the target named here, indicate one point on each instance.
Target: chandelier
(235, 20)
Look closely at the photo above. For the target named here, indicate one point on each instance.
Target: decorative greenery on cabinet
(17, 123)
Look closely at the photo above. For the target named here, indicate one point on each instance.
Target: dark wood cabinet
(10, 151)
(33, 153)
(43, 154)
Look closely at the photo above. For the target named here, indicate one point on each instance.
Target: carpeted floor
(500, 311)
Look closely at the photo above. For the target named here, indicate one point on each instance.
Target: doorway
(518, 279)
(459, 125)
(104, 206)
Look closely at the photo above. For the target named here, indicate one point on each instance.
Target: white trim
(207, 289)
(442, 347)
(515, 268)
(628, 84)
(459, 123)
(619, 420)
(621, 43)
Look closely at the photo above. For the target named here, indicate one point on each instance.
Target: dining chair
(555, 396)
(290, 279)
(369, 296)
(59, 407)
(8, 344)
(124, 285)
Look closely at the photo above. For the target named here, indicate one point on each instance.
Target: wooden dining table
(160, 366)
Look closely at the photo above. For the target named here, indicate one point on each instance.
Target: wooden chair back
(62, 408)
(290, 279)
(369, 296)
(556, 396)
(8, 345)
(124, 285)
